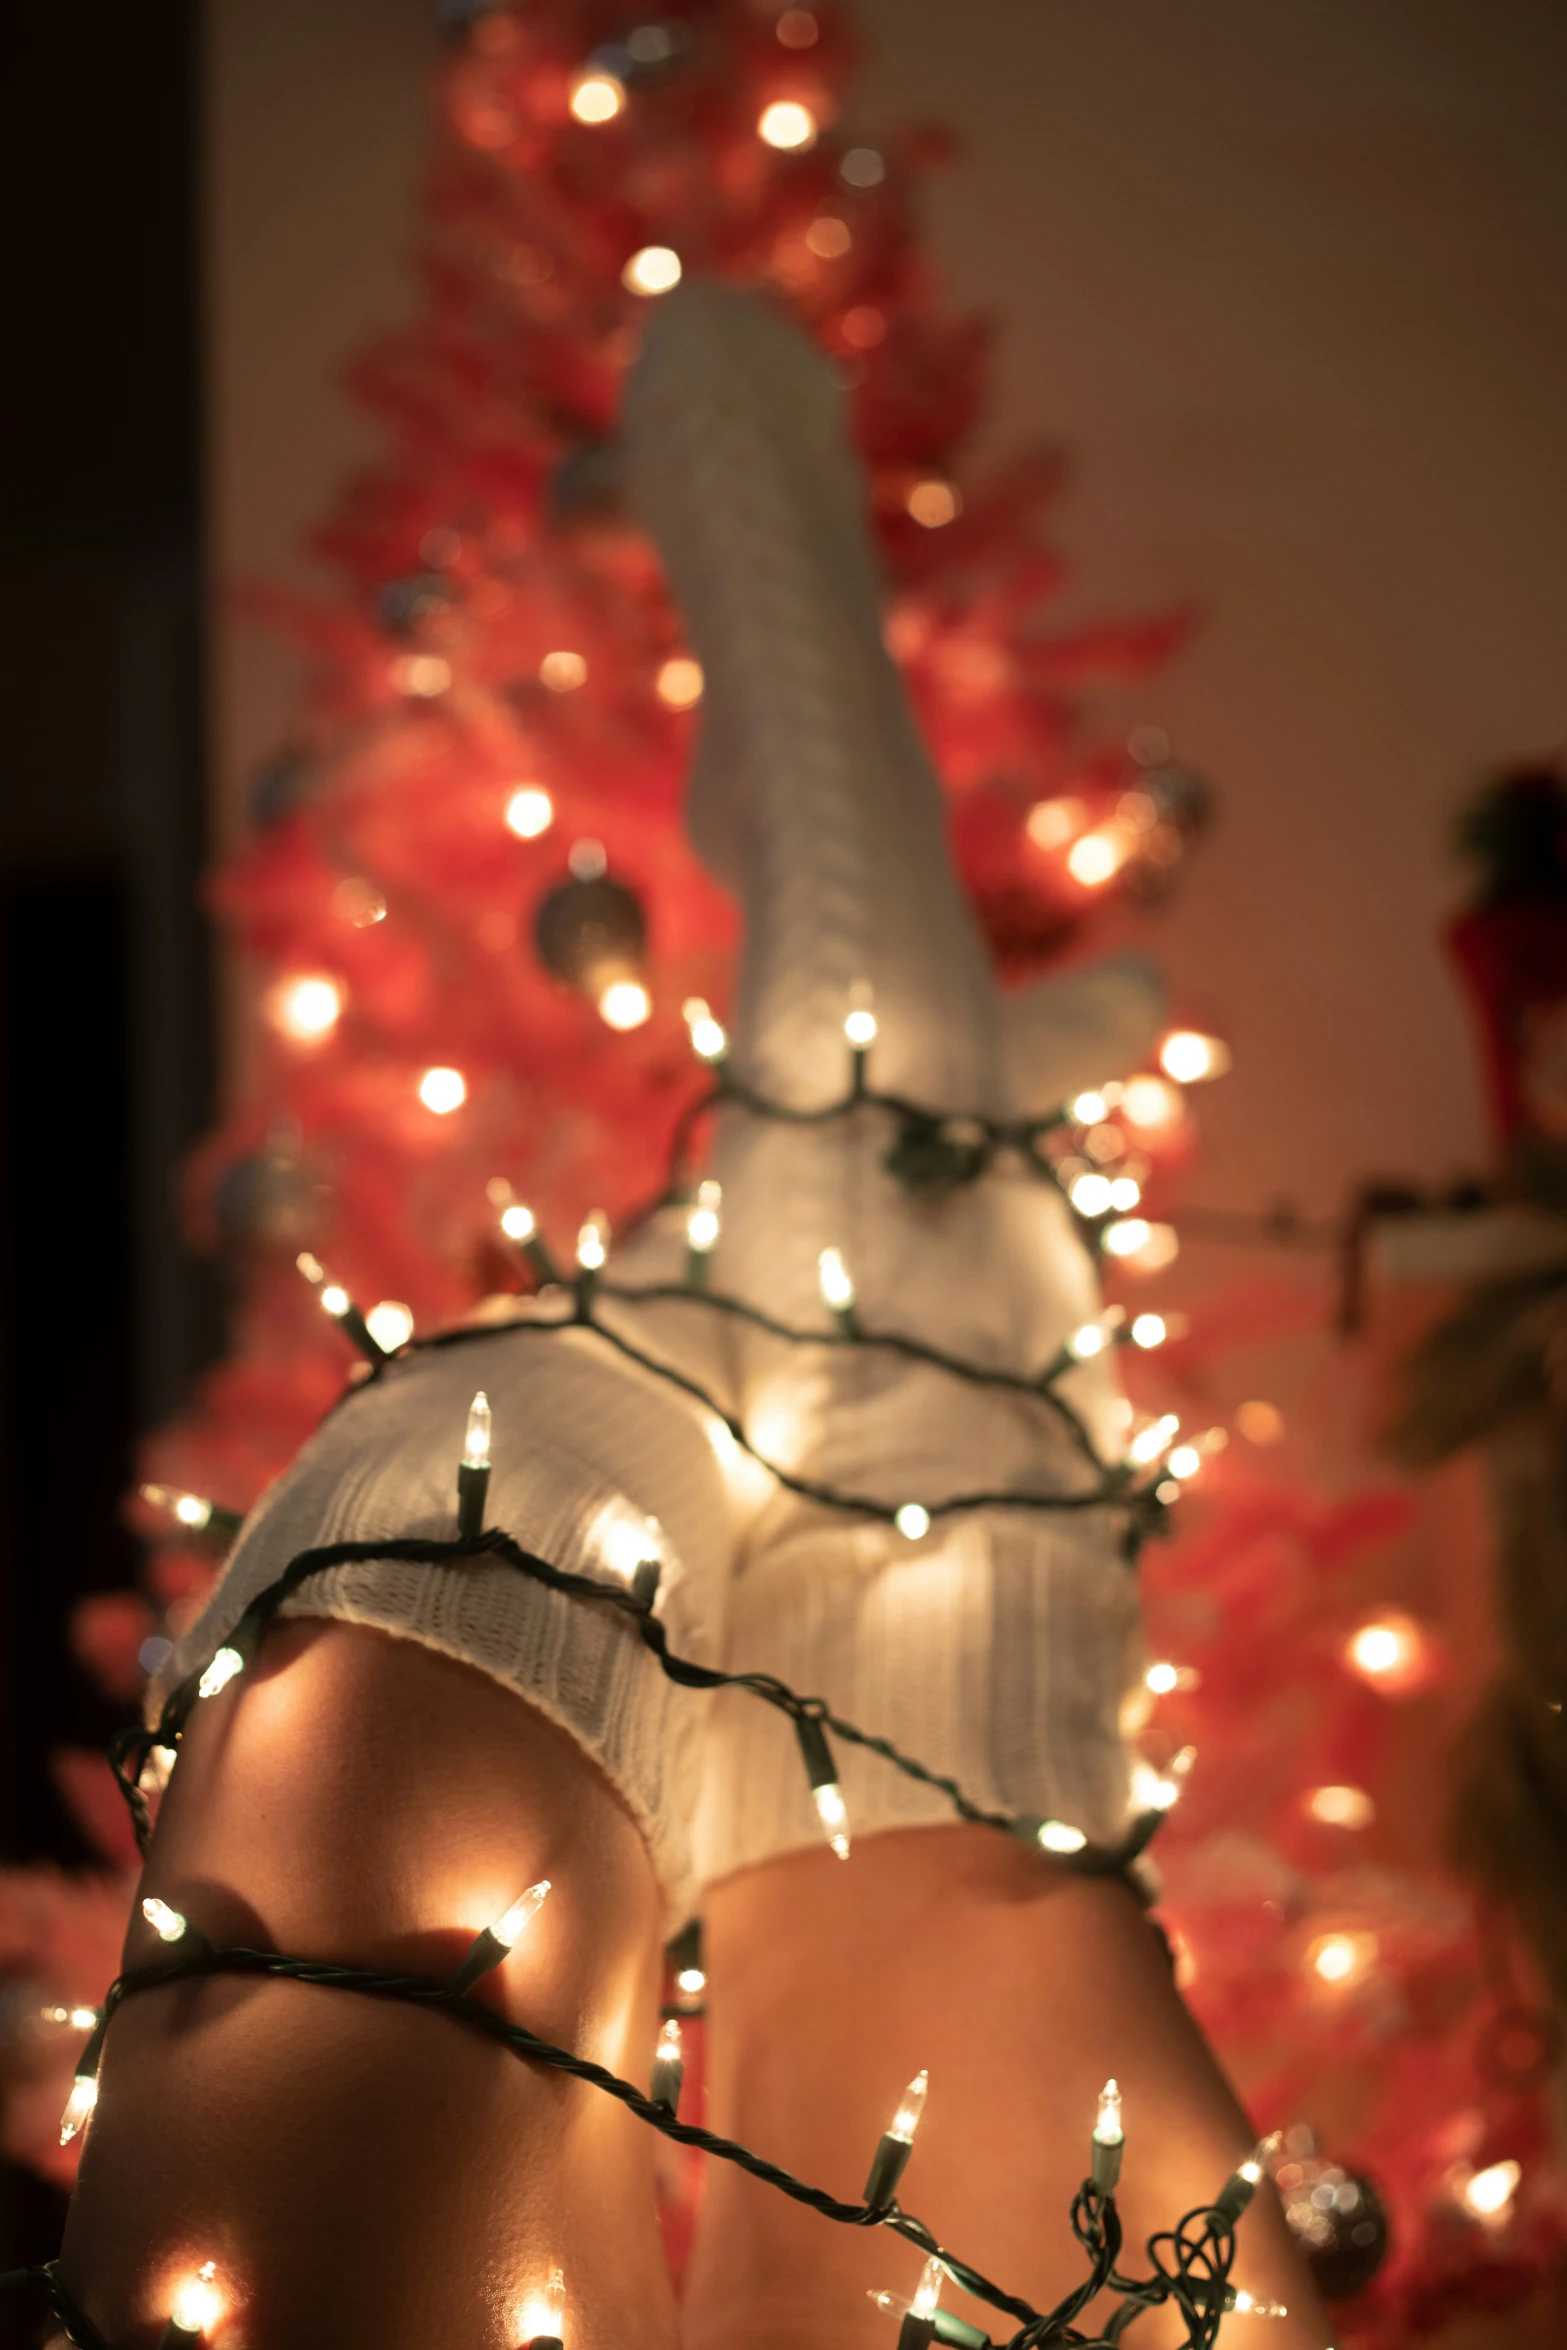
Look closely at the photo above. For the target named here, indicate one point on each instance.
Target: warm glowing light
(306, 1008)
(833, 1813)
(1149, 1246)
(78, 2107)
(691, 1982)
(1150, 1330)
(513, 1922)
(912, 2104)
(220, 1672)
(836, 1286)
(1260, 1423)
(1184, 1461)
(912, 1521)
(1341, 1958)
(422, 674)
(476, 1437)
(1090, 1195)
(679, 682)
(1148, 1102)
(197, 2304)
(1050, 824)
(829, 238)
(1341, 1807)
(860, 1021)
(187, 1509)
(1086, 1341)
(530, 811)
(1090, 1108)
(626, 1542)
(597, 96)
(927, 2293)
(653, 270)
(358, 902)
(933, 504)
(390, 1324)
(1150, 1442)
(168, 1924)
(624, 1004)
(1107, 2123)
(708, 1041)
(702, 1222)
(443, 1090)
(1490, 2191)
(1159, 1790)
(562, 671)
(593, 1244)
(1059, 1836)
(1125, 1192)
(518, 1223)
(1386, 1651)
(544, 2311)
(1092, 860)
(1189, 1057)
(787, 124)
(1161, 1679)
(1248, 2305)
(335, 1300)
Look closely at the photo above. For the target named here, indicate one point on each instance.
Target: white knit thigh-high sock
(586, 1451)
(997, 1647)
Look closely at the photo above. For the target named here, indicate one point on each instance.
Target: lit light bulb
(1150, 1330)
(1125, 1192)
(788, 125)
(1389, 1653)
(530, 811)
(78, 2107)
(1150, 1103)
(390, 1324)
(668, 2066)
(187, 1509)
(510, 1924)
(1489, 2192)
(1342, 1958)
(1095, 858)
(306, 1007)
(1050, 824)
(691, 1982)
(1341, 1807)
(837, 1288)
(563, 671)
(1161, 1679)
(654, 269)
(1086, 1341)
(476, 1440)
(1190, 1057)
(443, 1090)
(1108, 2130)
(1149, 1246)
(1248, 2305)
(544, 2313)
(593, 1244)
(859, 1030)
(702, 1222)
(1184, 1461)
(518, 1223)
(1245, 2179)
(912, 1521)
(679, 682)
(597, 96)
(927, 2293)
(1090, 1195)
(708, 1041)
(1089, 1109)
(625, 1004)
(1151, 1441)
(425, 675)
(933, 504)
(833, 1813)
(910, 2107)
(168, 1924)
(1059, 1836)
(220, 1672)
(197, 2306)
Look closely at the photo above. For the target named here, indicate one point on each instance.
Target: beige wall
(1288, 275)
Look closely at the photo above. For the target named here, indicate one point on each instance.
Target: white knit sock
(997, 1648)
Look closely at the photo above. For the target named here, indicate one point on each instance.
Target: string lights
(822, 1773)
(896, 2144)
(198, 2306)
(473, 1470)
(544, 2314)
(668, 2065)
(336, 1301)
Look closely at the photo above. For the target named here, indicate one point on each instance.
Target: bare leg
(363, 2174)
(1021, 1991)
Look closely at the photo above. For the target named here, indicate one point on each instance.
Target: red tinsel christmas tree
(479, 943)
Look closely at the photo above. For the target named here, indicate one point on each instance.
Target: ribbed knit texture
(998, 1647)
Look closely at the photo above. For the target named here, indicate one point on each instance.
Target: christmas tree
(485, 960)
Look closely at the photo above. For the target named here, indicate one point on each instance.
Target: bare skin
(365, 2175)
